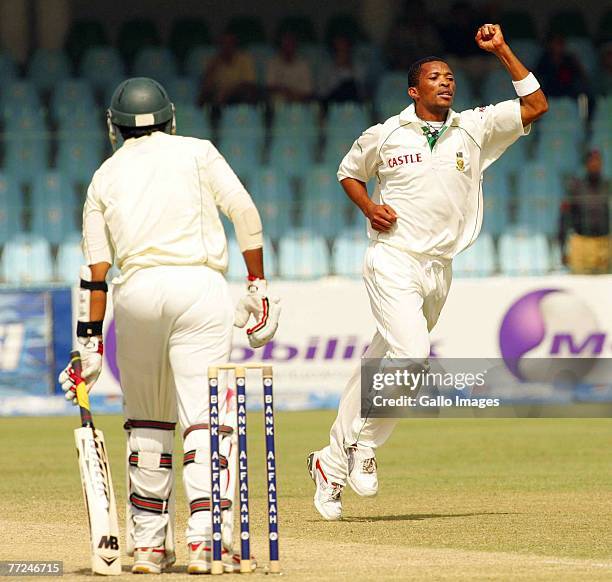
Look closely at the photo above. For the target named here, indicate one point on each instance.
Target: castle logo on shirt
(404, 159)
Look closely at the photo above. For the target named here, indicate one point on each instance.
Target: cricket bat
(97, 484)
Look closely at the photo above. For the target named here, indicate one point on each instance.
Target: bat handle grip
(82, 395)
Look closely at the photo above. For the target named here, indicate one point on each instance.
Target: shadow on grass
(421, 516)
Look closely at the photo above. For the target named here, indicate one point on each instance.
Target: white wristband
(526, 86)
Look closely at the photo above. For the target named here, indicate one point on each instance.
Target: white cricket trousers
(407, 293)
(172, 322)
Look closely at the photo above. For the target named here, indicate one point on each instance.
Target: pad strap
(157, 424)
(89, 328)
(94, 285)
(165, 461)
(189, 457)
(223, 429)
(150, 504)
(203, 504)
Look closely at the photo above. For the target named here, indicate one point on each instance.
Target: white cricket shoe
(362, 475)
(327, 495)
(150, 560)
(200, 559)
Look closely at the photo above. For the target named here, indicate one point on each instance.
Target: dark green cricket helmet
(139, 102)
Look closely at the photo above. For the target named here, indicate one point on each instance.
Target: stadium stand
(26, 260)
(52, 112)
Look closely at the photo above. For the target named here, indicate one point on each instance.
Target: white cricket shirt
(154, 202)
(436, 193)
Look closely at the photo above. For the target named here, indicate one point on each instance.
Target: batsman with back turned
(427, 207)
(152, 209)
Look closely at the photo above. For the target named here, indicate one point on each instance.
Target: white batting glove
(92, 350)
(265, 310)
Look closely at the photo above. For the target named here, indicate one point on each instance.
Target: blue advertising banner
(26, 355)
(63, 326)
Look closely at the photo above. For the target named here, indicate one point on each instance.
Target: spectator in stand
(288, 76)
(585, 220)
(342, 79)
(413, 35)
(604, 79)
(230, 76)
(559, 71)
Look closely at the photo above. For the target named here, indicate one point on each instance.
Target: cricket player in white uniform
(151, 209)
(428, 162)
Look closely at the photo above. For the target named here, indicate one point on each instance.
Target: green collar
(433, 136)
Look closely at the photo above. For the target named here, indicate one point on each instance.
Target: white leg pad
(150, 484)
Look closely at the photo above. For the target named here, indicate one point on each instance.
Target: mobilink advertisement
(326, 326)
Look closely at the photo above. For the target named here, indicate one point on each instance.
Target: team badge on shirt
(460, 162)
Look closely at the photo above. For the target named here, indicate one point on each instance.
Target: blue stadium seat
(275, 200)
(336, 147)
(497, 87)
(11, 208)
(515, 157)
(563, 114)
(477, 260)
(236, 270)
(197, 60)
(603, 112)
(539, 213)
(27, 260)
(389, 107)
(26, 146)
(183, 91)
(243, 122)
(72, 95)
(559, 150)
(325, 208)
(78, 158)
(292, 156)
(537, 179)
(539, 198)
(155, 62)
(584, 50)
(81, 142)
(299, 121)
(54, 207)
(19, 97)
(464, 95)
(392, 88)
(47, 67)
(347, 120)
(303, 255)
(8, 68)
(192, 121)
(242, 156)
(528, 50)
(102, 66)
(348, 251)
(522, 252)
(371, 57)
(69, 260)
(496, 195)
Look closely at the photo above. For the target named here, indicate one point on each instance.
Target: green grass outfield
(489, 499)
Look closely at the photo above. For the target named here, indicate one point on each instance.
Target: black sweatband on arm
(94, 285)
(89, 328)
